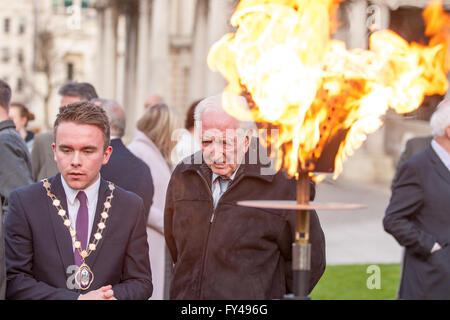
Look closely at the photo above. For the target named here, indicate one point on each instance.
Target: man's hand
(104, 293)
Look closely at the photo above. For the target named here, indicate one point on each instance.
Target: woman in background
(153, 144)
(20, 114)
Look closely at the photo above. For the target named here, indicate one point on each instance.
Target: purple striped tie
(81, 225)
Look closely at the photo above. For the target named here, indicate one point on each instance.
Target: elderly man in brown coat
(222, 250)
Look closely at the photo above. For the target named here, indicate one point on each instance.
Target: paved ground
(354, 237)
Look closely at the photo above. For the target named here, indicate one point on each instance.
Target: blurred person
(152, 100)
(42, 160)
(222, 250)
(20, 114)
(124, 168)
(76, 235)
(187, 144)
(15, 167)
(413, 146)
(418, 214)
(153, 144)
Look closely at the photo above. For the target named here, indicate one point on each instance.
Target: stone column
(199, 53)
(357, 31)
(219, 15)
(130, 70)
(108, 53)
(159, 57)
(100, 48)
(143, 54)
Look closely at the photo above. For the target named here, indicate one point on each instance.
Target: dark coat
(418, 215)
(130, 173)
(15, 172)
(39, 247)
(15, 162)
(233, 252)
(42, 157)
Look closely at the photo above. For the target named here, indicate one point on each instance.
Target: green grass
(349, 282)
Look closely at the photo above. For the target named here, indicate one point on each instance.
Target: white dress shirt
(73, 204)
(216, 186)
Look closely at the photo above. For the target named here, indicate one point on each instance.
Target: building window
(19, 86)
(7, 22)
(22, 26)
(70, 71)
(20, 56)
(5, 55)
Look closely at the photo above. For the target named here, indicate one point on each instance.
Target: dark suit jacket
(39, 247)
(42, 159)
(418, 215)
(129, 172)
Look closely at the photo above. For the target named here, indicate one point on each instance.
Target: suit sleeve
(406, 202)
(36, 158)
(147, 188)
(19, 260)
(168, 221)
(136, 281)
(2, 259)
(16, 172)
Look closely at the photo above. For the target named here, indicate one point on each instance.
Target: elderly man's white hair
(440, 119)
(236, 106)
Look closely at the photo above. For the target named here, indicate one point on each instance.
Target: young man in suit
(418, 215)
(76, 235)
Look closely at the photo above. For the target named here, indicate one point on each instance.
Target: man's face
(79, 153)
(65, 100)
(223, 144)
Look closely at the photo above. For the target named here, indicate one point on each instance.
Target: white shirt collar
(91, 191)
(214, 176)
(442, 153)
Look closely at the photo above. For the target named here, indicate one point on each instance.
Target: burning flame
(311, 88)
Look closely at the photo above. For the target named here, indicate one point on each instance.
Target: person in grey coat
(418, 215)
(15, 167)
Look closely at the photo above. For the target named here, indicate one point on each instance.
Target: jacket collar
(6, 124)
(438, 164)
(116, 143)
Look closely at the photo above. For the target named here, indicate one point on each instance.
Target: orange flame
(310, 87)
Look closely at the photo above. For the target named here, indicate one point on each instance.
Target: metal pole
(301, 248)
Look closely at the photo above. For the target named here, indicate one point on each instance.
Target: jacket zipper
(211, 220)
(207, 236)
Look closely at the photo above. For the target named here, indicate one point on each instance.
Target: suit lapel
(62, 235)
(103, 192)
(439, 165)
